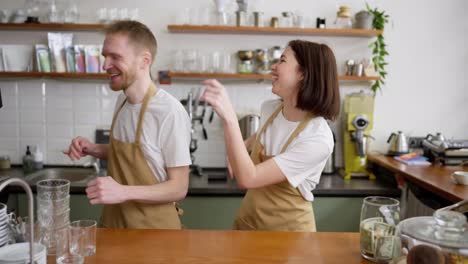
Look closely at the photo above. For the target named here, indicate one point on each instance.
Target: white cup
(460, 177)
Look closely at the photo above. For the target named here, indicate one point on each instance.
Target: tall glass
(379, 217)
(84, 234)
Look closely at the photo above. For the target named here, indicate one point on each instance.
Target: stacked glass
(53, 210)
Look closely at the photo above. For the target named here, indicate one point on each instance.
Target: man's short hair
(137, 33)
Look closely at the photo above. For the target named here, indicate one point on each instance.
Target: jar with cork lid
(343, 18)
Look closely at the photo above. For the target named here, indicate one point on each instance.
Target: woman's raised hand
(216, 95)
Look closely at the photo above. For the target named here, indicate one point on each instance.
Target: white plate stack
(19, 254)
(4, 229)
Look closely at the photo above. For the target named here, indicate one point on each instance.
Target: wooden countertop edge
(400, 168)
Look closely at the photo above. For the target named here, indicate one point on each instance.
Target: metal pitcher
(249, 125)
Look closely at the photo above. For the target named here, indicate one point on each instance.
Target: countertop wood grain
(201, 246)
(435, 178)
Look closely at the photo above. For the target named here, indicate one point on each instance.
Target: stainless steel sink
(71, 174)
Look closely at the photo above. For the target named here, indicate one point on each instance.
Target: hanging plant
(379, 48)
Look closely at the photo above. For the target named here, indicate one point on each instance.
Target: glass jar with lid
(343, 18)
(442, 238)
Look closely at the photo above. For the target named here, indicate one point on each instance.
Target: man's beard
(127, 80)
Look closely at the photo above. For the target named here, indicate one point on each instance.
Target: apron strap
(150, 93)
(115, 116)
(257, 145)
(299, 128)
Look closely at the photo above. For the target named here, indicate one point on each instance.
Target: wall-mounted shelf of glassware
(273, 31)
(51, 26)
(242, 76)
(65, 75)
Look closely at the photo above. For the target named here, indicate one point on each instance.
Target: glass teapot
(441, 239)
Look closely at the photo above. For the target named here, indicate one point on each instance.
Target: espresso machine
(358, 121)
(192, 104)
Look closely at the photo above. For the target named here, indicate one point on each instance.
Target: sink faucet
(25, 185)
(94, 164)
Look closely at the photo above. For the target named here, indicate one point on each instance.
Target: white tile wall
(50, 113)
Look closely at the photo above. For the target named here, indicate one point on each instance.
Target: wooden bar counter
(435, 178)
(203, 246)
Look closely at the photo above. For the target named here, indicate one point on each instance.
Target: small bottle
(38, 160)
(28, 161)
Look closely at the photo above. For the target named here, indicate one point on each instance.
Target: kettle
(398, 144)
(249, 125)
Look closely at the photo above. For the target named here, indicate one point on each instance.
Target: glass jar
(287, 19)
(443, 237)
(343, 18)
(5, 162)
(245, 66)
(379, 217)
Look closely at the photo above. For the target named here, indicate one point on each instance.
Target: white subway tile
(59, 102)
(86, 104)
(58, 158)
(28, 117)
(58, 145)
(8, 116)
(31, 102)
(86, 132)
(59, 131)
(54, 88)
(106, 118)
(85, 89)
(106, 91)
(87, 118)
(31, 88)
(9, 102)
(10, 144)
(32, 131)
(59, 117)
(9, 88)
(8, 130)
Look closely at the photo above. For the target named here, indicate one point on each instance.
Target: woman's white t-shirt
(304, 159)
(165, 136)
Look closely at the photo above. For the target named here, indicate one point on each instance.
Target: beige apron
(279, 206)
(128, 166)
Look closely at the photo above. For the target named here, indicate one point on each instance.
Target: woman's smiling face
(286, 75)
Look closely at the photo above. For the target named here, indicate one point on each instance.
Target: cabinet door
(211, 212)
(337, 214)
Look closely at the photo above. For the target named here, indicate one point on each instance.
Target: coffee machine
(358, 121)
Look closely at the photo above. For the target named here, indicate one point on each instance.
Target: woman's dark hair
(318, 91)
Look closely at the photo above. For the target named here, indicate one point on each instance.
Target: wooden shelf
(240, 76)
(70, 75)
(51, 26)
(273, 31)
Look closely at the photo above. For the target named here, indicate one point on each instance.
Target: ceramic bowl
(461, 177)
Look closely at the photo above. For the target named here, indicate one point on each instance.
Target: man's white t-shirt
(165, 135)
(304, 159)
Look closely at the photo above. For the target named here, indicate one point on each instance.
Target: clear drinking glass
(379, 217)
(66, 240)
(83, 237)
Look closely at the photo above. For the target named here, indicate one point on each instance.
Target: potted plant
(379, 48)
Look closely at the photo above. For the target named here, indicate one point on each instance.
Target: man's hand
(79, 148)
(105, 190)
